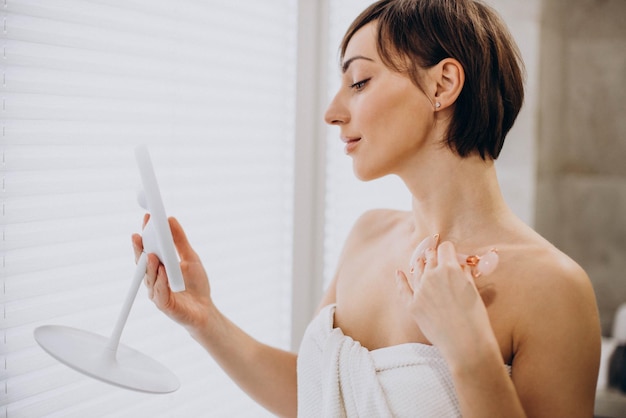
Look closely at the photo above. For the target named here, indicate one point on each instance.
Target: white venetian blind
(208, 86)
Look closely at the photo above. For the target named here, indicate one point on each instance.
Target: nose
(336, 113)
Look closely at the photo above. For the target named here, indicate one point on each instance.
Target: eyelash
(359, 85)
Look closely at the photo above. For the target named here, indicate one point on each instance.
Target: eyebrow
(346, 64)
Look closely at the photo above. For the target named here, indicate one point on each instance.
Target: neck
(458, 198)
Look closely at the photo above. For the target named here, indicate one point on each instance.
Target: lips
(351, 143)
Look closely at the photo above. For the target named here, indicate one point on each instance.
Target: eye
(359, 85)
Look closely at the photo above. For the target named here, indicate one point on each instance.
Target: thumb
(469, 275)
(184, 249)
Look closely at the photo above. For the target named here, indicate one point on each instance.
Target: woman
(485, 318)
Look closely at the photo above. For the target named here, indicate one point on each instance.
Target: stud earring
(437, 105)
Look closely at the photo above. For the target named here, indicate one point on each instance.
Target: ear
(450, 78)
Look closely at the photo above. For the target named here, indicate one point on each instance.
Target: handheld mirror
(104, 358)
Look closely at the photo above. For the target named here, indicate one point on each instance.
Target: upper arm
(330, 295)
(556, 361)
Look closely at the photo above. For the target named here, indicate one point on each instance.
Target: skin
(536, 312)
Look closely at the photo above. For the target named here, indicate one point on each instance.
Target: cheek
(412, 113)
(366, 112)
(377, 117)
(393, 113)
(399, 103)
(402, 122)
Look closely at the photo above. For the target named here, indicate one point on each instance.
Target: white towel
(337, 377)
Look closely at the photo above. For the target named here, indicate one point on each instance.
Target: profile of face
(384, 118)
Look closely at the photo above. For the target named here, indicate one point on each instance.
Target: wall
(581, 177)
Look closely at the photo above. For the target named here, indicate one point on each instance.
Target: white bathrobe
(337, 377)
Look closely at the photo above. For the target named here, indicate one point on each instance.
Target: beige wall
(581, 158)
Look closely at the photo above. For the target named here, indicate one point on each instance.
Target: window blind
(209, 88)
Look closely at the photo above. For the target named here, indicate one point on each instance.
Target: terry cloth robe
(337, 377)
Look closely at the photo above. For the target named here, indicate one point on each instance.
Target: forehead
(363, 42)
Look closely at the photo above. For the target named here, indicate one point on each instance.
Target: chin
(364, 174)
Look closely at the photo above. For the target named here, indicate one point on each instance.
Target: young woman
(455, 308)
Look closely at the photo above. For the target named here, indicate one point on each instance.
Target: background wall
(581, 166)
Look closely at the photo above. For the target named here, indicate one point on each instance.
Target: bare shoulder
(557, 334)
(371, 226)
(551, 288)
(372, 223)
(556, 284)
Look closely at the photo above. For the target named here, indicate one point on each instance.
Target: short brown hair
(418, 34)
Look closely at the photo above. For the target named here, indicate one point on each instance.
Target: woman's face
(385, 119)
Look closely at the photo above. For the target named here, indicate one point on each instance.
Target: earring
(437, 105)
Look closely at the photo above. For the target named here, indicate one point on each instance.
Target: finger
(449, 256)
(161, 289)
(137, 246)
(431, 258)
(146, 218)
(404, 286)
(184, 249)
(469, 274)
(446, 254)
(416, 271)
(151, 271)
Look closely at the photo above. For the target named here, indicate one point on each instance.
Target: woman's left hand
(445, 303)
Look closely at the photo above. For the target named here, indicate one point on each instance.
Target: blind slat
(148, 18)
(176, 40)
(183, 86)
(234, 66)
(159, 133)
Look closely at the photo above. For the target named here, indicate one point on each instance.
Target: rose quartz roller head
(480, 265)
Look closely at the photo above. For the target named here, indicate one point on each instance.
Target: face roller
(480, 265)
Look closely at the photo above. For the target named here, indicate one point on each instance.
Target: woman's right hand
(267, 374)
(193, 306)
